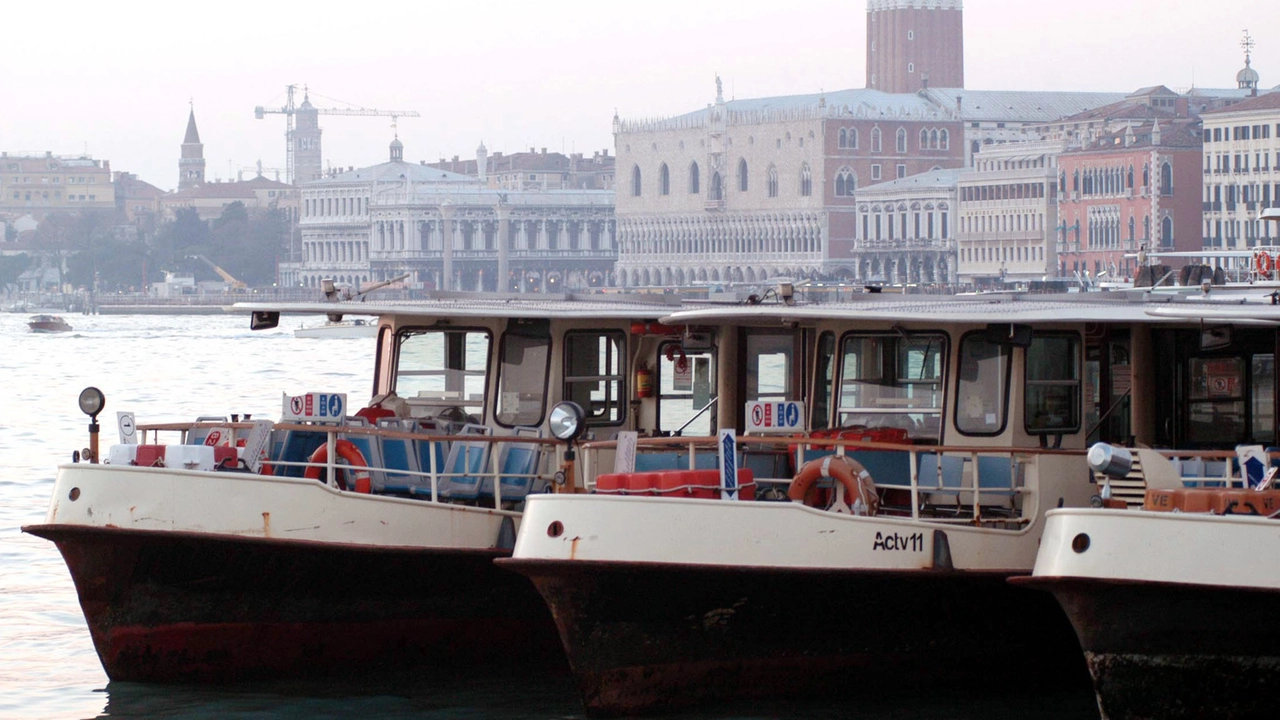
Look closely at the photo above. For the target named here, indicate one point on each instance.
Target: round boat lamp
(567, 421)
(91, 401)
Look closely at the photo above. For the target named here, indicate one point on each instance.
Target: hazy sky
(115, 78)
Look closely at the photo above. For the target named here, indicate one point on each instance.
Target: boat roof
(1245, 306)
(1120, 306)
(488, 305)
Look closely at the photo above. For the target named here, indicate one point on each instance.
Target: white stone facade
(1241, 174)
(1008, 214)
(448, 231)
(906, 231)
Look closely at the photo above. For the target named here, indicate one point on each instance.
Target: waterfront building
(450, 231)
(1129, 188)
(37, 184)
(905, 230)
(535, 170)
(1008, 212)
(1241, 172)
(137, 199)
(210, 199)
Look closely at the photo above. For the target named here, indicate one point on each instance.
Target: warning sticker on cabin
(774, 417)
(314, 407)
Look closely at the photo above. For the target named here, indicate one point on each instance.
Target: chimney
(544, 151)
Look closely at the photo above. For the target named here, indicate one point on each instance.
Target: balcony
(713, 205)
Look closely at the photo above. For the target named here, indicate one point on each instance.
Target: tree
(11, 267)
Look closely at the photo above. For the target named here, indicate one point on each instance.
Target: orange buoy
(349, 452)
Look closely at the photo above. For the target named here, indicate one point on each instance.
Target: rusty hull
(1175, 650)
(645, 637)
(181, 607)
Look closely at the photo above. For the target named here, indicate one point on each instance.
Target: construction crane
(233, 283)
(290, 109)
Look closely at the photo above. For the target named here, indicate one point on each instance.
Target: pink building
(1132, 188)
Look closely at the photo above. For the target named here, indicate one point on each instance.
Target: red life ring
(349, 452)
(1263, 263)
(850, 473)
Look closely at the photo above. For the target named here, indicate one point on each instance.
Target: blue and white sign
(728, 447)
(314, 407)
(774, 417)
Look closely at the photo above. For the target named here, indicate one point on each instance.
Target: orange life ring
(1262, 262)
(850, 473)
(349, 452)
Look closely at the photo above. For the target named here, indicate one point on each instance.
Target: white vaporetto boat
(345, 537)
(979, 410)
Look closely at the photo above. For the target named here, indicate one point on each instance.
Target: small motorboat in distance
(48, 324)
(356, 328)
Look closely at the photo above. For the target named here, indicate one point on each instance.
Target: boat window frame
(713, 413)
(1027, 382)
(401, 334)
(528, 334)
(1008, 384)
(816, 392)
(622, 399)
(897, 334)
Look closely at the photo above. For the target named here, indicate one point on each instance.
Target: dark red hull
(1169, 650)
(198, 608)
(651, 637)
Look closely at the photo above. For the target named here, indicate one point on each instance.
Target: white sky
(114, 78)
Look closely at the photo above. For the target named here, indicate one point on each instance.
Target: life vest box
(149, 456)
(609, 483)
(122, 454)
(198, 457)
(704, 484)
(1219, 501)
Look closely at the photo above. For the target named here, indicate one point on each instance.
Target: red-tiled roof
(1270, 101)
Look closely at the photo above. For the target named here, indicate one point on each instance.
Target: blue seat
(887, 467)
(517, 467)
(952, 471)
(656, 461)
(296, 446)
(465, 466)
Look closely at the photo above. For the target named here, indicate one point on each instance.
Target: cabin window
(823, 381)
(522, 378)
(893, 381)
(982, 390)
(686, 387)
(769, 367)
(1217, 394)
(1053, 384)
(593, 374)
(438, 371)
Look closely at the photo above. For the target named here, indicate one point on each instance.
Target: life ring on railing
(349, 452)
(857, 483)
(1263, 263)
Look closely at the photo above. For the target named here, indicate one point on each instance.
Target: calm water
(178, 368)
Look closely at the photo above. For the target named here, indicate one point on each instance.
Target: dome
(397, 150)
(1247, 78)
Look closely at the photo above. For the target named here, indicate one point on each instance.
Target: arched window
(664, 180)
(924, 139)
(717, 187)
(1166, 179)
(1132, 228)
(806, 181)
(853, 139)
(944, 140)
(694, 182)
(1146, 176)
(742, 175)
(1146, 229)
(846, 182)
(1166, 232)
(771, 181)
(635, 181)
(901, 144)
(844, 138)
(875, 139)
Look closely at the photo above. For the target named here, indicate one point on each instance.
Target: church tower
(191, 164)
(913, 44)
(307, 164)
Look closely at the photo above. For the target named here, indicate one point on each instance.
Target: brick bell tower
(913, 44)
